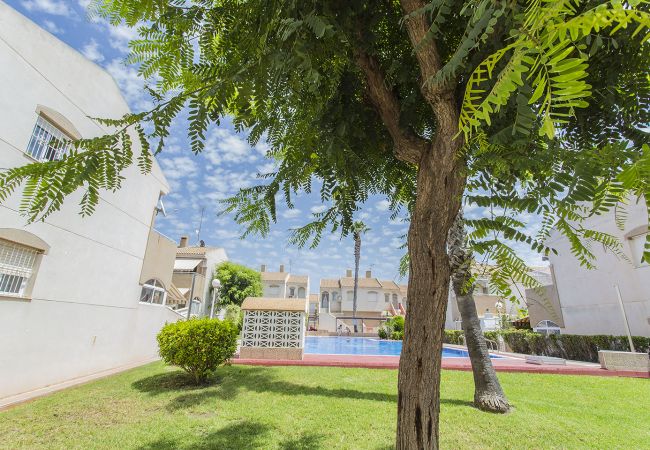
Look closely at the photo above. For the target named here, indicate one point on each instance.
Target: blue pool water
(343, 345)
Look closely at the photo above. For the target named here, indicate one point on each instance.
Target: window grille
(153, 292)
(273, 329)
(47, 143)
(16, 266)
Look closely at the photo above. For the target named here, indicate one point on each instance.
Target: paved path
(510, 364)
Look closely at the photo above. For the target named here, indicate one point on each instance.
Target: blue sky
(229, 163)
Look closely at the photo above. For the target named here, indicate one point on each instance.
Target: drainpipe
(627, 325)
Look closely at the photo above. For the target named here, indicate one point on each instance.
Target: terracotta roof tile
(274, 276)
(300, 279)
(329, 283)
(274, 304)
(363, 282)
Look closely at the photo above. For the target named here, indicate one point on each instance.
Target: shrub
(235, 315)
(198, 346)
(237, 282)
(392, 326)
(398, 323)
(397, 335)
(568, 346)
(452, 337)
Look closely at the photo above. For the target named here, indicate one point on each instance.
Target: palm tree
(358, 228)
(488, 394)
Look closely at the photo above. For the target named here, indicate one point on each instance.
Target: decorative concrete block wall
(274, 328)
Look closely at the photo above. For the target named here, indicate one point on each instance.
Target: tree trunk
(488, 394)
(439, 190)
(357, 257)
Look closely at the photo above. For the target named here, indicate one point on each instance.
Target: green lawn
(152, 407)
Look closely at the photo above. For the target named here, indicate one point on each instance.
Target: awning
(174, 296)
(186, 264)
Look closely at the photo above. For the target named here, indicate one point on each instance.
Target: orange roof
(363, 282)
(274, 276)
(299, 279)
(329, 283)
(274, 304)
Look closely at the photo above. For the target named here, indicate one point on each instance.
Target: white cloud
(382, 205)
(267, 168)
(223, 145)
(179, 167)
(130, 83)
(52, 27)
(318, 209)
(291, 213)
(54, 7)
(91, 51)
(120, 36)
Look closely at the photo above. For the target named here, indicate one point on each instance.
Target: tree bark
(439, 190)
(488, 394)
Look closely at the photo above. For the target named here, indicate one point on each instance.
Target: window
(16, 267)
(387, 298)
(153, 292)
(325, 300)
(372, 296)
(547, 327)
(350, 295)
(395, 299)
(292, 292)
(301, 292)
(47, 143)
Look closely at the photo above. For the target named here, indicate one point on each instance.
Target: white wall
(84, 314)
(588, 299)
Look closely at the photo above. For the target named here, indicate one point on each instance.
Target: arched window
(301, 292)
(292, 292)
(153, 292)
(325, 300)
(387, 298)
(547, 327)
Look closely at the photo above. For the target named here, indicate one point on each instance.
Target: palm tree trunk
(488, 394)
(357, 257)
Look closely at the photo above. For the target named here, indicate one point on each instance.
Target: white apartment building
(283, 284)
(78, 296)
(586, 301)
(375, 298)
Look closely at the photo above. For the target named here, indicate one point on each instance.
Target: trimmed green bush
(198, 346)
(382, 332)
(568, 346)
(453, 337)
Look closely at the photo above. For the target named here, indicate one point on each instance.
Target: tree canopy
(237, 283)
(534, 106)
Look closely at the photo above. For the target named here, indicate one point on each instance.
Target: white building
(78, 296)
(283, 284)
(194, 270)
(585, 301)
(375, 298)
(490, 306)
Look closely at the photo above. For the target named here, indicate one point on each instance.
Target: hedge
(568, 346)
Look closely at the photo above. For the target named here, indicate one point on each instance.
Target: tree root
(491, 402)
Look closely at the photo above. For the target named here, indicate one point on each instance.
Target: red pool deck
(509, 364)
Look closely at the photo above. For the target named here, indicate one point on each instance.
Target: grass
(154, 407)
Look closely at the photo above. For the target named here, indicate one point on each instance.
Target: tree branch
(409, 147)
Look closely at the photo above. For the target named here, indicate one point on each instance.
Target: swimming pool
(344, 345)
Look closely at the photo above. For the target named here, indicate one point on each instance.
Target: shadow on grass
(231, 381)
(456, 402)
(241, 435)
